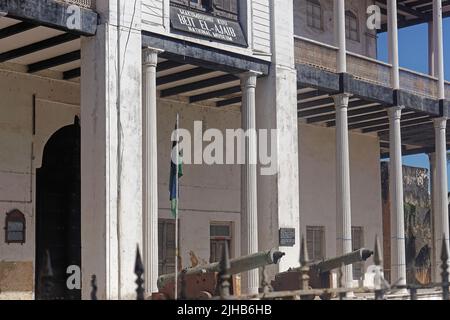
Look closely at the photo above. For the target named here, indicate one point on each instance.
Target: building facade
(90, 93)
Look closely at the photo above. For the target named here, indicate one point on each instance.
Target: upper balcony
(370, 85)
(324, 56)
(88, 4)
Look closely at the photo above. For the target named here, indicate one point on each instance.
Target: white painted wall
(207, 193)
(367, 44)
(318, 180)
(56, 106)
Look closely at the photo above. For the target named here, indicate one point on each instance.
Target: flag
(173, 183)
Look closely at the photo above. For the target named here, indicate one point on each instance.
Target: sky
(413, 54)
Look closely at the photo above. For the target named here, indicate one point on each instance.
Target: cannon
(319, 272)
(202, 282)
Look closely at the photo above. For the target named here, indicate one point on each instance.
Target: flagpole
(176, 210)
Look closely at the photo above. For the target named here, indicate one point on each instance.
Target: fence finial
(47, 276)
(139, 271)
(444, 267)
(94, 287)
(377, 255)
(378, 260)
(224, 276)
(304, 267)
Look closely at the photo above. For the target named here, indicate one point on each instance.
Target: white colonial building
(90, 91)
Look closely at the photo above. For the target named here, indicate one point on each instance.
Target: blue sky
(413, 54)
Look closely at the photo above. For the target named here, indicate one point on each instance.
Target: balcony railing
(324, 56)
(89, 4)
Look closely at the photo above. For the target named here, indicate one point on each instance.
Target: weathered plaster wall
(367, 44)
(208, 193)
(318, 180)
(56, 105)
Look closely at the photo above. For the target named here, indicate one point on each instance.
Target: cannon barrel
(347, 259)
(237, 265)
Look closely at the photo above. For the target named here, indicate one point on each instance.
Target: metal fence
(380, 291)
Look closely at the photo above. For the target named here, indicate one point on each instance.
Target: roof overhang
(52, 14)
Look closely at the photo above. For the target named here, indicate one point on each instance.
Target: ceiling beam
(37, 46)
(53, 62)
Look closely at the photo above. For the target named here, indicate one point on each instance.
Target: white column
(249, 210)
(440, 194)
(431, 53)
(343, 200)
(439, 47)
(398, 257)
(111, 152)
(339, 19)
(276, 100)
(150, 166)
(393, 43)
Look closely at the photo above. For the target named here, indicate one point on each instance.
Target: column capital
(395, 112)
(248, 78)
(341, 100)
(150, 56)
(440, 123)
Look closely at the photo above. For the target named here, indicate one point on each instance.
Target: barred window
(315, 239)
(220, 235)
(314, 14)
(351, 26)
(15, 227)
(166, 246)
(358, 243)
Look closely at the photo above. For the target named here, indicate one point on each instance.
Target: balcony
(88, 4)
(324, 56)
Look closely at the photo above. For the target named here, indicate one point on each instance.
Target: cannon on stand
(202, 282)
(319, 272)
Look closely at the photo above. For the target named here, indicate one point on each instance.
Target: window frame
(349, 14)
(358, 265)
(228, 239)
(322, 231)
(15, 215)
(314, 4)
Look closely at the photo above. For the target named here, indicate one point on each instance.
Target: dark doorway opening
(58, 218)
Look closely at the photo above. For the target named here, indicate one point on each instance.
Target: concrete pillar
(439, 46)
(440, 192)
(249, 199)
(398, 256)
(339, 22)
(111, 152)
(278, 182)
(343, 199)
(150, 165)
(393, 43)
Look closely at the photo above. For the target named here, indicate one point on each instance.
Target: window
(358, 243)
(220, 235)
(351, 26)
(314, 14)
(15, 227)
(166, 246)
(315, 240)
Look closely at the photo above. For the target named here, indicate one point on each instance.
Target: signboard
(207, 26)
(287, 237)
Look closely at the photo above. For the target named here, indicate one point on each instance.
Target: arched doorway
(58, 218)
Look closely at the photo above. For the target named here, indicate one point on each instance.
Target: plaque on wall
(207, 26)
(287, 237)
